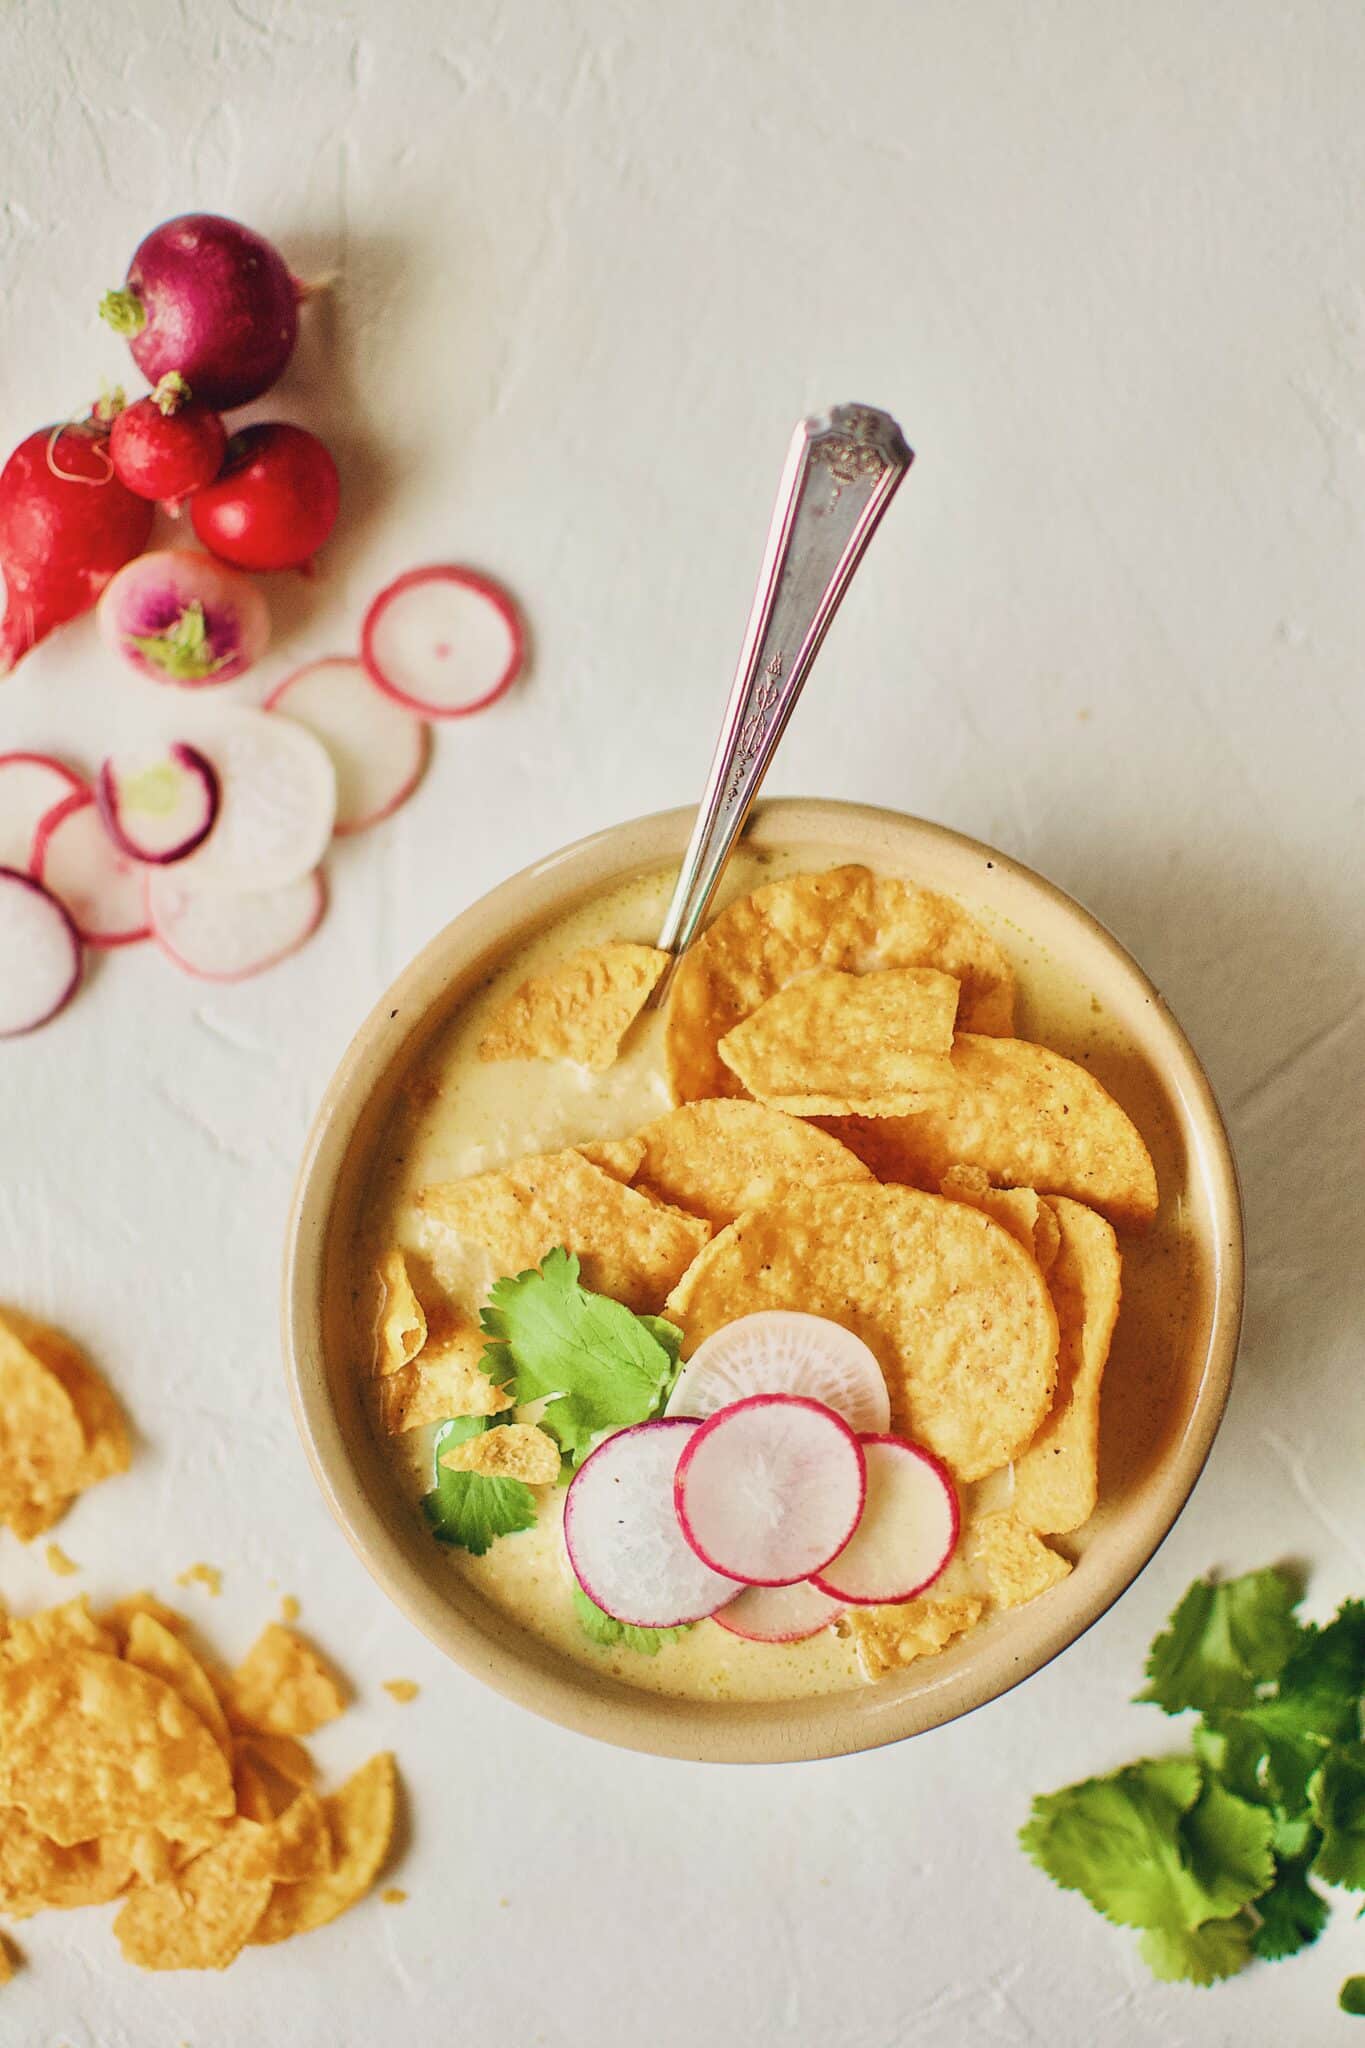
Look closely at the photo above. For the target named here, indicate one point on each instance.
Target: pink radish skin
(159, 811)
(219, 937)
(770, 1489)
(623, 1539)
(782, 1351)
(444, 641)
(180, 617)
(100, 887)
(40, 955)
(31, 785)
(908, 1531)
(213, 300)
(378, 747)
(780, 1614)
(168, 444)
(275, 501)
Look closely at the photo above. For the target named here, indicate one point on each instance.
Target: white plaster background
(1107, 265)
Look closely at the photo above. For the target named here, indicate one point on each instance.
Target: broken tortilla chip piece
(107, 1450)
(954, 1310)
(1056, 1480)
(119, 1615)
(840, 1044)
(284, 1755)
(35, 1873)
(580, 1009)
(716, 1159)
(446, 1380)
(71, 1626)
(888, 1638)
(152, 1647)
(201, 1918)
(1022, 1211)
(1018, 1565)
(283, 1686)
(516, 1450)
(620, 1157)
(302, 1840)
(360, 1820)
(41, 1439)
(401, 1325)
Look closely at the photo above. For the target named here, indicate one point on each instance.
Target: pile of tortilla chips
(133, 1769)
(60, 1427)
(955, 1205)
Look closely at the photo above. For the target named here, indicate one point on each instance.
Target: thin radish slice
(40, 954)
(228, 937)
(77, 862)
(623, 1539)
(31, 785)
(158, 810)
(780, 1614)
(378, 747)
(770, 1488)
(278, 799)
(782, 1351)
(908, 1529)
(444, 640)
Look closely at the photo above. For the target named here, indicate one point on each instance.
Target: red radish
(221, 937)
(623, 1539)
(77, 862)
(274, 502)
(66, 525)
(31, 785)
(780, 1614)
(908, 1529)
(180, 617)
(40, 954)
(782, 1351)
(168, 444)
(770, 1488)
(277, 792)
(159, 810)
(211, 299)
(445, 641)
(378, 748)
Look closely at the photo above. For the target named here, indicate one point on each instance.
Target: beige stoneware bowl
(1144, 1484)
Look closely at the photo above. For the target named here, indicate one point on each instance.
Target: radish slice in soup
(40, 954)
(780, 1614)
(908, 1529)
(445, 641)
(782, 1351)
(77, 862)
(770, 1488)
(623, 1539)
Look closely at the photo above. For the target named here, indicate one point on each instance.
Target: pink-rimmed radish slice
(908, 1529)
(622, 1536)
(378, 747)
(770, 1489)
(780, 1614)
(40, 954)
(77, 862)
(159, 809)
(222, 936)
(443, 640)
(31, 785)
(783, 1351)
(277, 792)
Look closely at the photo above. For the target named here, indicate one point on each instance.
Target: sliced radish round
(277, 802)
(159, 809)
(31, 785)
(378, 747)
(782, 1351)
(227, 937)
(444, 640)
(780, 1614)
(40, 954)
(770, 1488)
(623, 1539)
(77, 862)
(908, 1529)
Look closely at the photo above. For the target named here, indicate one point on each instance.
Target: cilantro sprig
(605, 1629)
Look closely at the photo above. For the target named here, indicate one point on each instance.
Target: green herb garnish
(606, 1630)
(468, 1508)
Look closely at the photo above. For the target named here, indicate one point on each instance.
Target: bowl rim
(544, 1681)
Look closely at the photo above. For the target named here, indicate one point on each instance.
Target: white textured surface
(1106, 265)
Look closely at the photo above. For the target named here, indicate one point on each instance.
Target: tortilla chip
(10, 1959)
(1018, 1565)
(620, 1157)
(41, 1439)
(888, 1638)
(302, 1841)
(1028, 1118)
(716, 1159)
(118, 1617)
(283, 1686)
(401, 1326)
(629, 1247)
(152, 1647)
(1056, 1480)
(255, 1795)
(69, 1627)
(581, 1009)
(360, 1818)
(955, 1311)
(1022, 1211)
(849, 1044)
(404, 1690)
(107, 1449)
(34, 1518)
(36, 1873)
(203, 1917)
(518, 1450)
(846, 918)
(446, 1380)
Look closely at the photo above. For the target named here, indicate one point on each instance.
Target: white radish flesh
(40, 954)
(31, 785)
(623, 1539)
(159, 809)
(908, 1529)
(780, 1614)
(444, 640)
(222, 936)
(782, 1351)
(77, 862)
(770, 1489)
(277, 803)
(377, 746)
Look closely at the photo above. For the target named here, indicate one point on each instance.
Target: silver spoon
(842, 472)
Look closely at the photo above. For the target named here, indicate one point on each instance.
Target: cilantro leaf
(1338, 1800)
(600, 1366)
(1224, 1641)
(1292, 1913)
(606, 1630)
(469, 1509)
(1198, 1955)
(1351, 1997)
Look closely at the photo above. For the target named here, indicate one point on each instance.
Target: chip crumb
(9, 1959)
(404, 1690)
(57, 1561)
(289, 1608)
(518, 1450)
(393, 1895)
(202, 1575)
